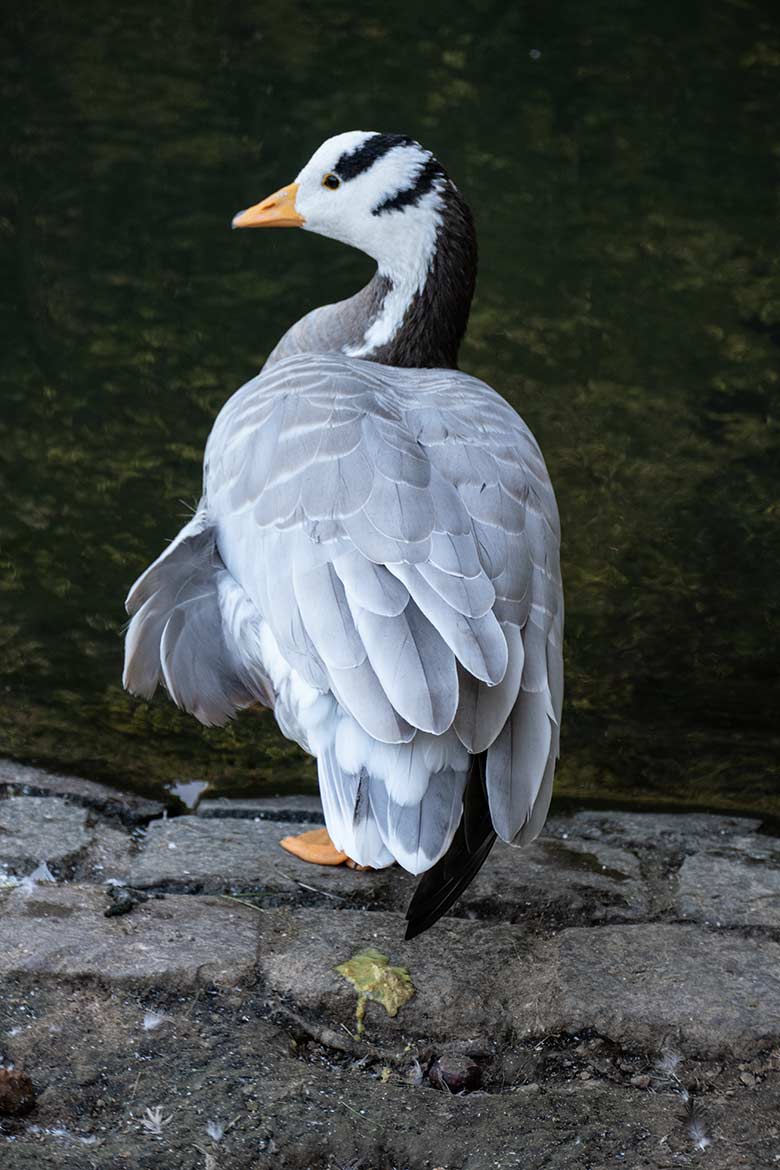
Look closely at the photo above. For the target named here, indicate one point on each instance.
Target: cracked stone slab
(107, 857)
(461, 976)
(205, 854)
(61, 932)
(730, 889)
(650, 986)
(569, 880)
(40, 828)
(20, 779)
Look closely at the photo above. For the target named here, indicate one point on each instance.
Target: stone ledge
(22, 780)
(37, 828)
(60, 932)
(706, 994)
(553, 879)
(731, 887)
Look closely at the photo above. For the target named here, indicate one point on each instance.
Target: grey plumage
(177, 633)
(376, 556)
(414, 576)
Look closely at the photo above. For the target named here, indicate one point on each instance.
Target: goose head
(389, 197)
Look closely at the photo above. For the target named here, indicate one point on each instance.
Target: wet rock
(17, 1095)
(19, 779)
(39, 828)
(731, 889)
(61, 932)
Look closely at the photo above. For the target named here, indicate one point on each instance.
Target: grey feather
(377, 547)
(326, 615)
(401, 466)
(535, 664)
(369, 585)
(399, 510)
(338, 487)
(472, 596)
(176, 633)
(492, 548)
(351, 824)
(359, 691)
(477, 643)
(516, 764)
(483, 710)
(465, 464)
(414, 665)
(454, 553)
(420, 833)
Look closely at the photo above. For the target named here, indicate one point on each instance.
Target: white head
(387, 196)
(381, 193)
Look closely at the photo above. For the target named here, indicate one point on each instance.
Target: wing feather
(414, 665)
(369, 585)
(327, 616)
(483, 710)
(477, 643)
(516, 764)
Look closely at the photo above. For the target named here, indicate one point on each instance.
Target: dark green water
(622, 162)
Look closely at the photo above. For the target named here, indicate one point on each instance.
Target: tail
(449, 877)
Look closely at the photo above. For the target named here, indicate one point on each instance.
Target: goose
(375, 556)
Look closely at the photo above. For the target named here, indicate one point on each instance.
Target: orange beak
(278, 210)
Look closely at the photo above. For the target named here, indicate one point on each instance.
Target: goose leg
(317, 847)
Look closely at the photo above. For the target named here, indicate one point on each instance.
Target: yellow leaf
(371, 975)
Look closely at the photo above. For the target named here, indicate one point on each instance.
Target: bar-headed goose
(375, 555)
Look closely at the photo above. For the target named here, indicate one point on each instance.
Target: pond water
(621, 160)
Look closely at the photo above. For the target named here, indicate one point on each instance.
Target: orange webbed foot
(316, 846)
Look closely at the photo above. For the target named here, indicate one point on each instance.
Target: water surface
(621, 159)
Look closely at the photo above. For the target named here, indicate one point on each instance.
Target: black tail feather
(475, 837)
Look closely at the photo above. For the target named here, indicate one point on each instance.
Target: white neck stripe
(407, 272)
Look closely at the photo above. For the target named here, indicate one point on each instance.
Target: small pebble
(459, 1074)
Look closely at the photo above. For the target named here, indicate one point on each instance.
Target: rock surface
(22, 780)
(177, 942)
(35, 829)
(731, 890)
(580, 989)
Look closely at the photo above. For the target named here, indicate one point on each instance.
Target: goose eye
(332, 181)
